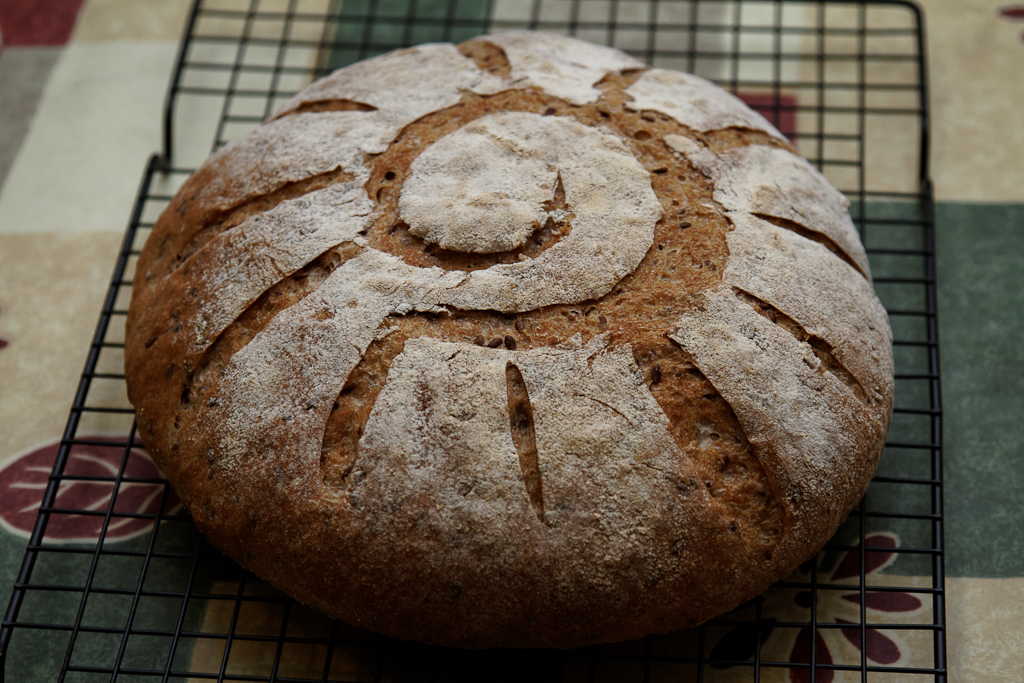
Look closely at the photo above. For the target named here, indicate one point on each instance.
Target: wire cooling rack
(844, 80)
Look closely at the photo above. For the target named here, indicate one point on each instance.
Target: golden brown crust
(582, 471)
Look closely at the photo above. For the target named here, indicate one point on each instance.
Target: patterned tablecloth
(82, 84)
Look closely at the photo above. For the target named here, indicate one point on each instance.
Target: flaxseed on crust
(513, 343)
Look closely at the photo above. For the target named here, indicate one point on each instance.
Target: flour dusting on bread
(568, 70)
(694, 102)
(774, 182)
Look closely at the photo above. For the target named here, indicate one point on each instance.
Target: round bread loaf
(512, 343)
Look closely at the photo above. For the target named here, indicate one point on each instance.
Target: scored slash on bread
(687, 388)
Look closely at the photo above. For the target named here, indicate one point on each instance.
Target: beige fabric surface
(67, 197)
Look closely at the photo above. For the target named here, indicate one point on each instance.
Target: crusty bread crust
(515, 343)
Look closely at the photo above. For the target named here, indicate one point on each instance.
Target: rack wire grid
(140, 595)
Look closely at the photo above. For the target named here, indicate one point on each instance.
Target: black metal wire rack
(846, 81)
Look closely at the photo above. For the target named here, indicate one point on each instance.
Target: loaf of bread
(513, 343)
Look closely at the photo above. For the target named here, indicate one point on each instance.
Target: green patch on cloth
(372, 27)
(980, 250)
(37, 654)
(980, 271)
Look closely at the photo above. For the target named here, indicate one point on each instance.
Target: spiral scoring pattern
(798, 392)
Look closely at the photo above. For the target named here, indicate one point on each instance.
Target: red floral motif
(837, 606)
(39, 22)
(780, 112)
(802, 653)
(1014, 13)
(24, 478)
(3, 342)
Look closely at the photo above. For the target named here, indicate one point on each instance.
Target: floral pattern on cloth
(1013, 13)
(780, 110)
(85, 487)
(3, 341)
(39, 22)
(840, 645)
